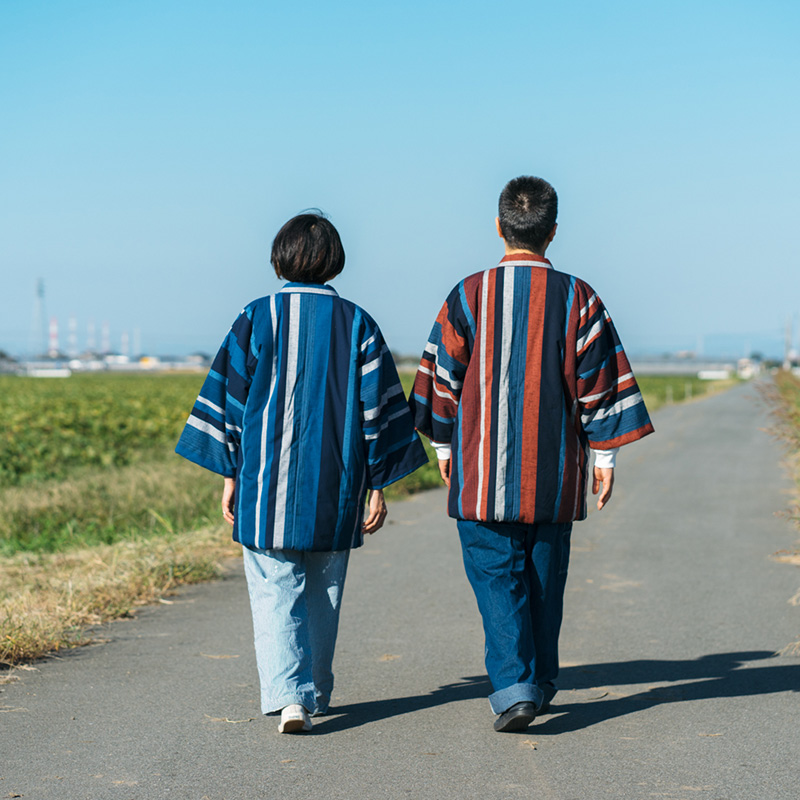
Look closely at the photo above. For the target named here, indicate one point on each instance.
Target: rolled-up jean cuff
(518, 693)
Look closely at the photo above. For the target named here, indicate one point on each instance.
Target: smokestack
(52, 349)
(72, 340)
(91, 340)
(38, 336)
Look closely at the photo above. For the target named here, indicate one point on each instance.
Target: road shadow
(716, 675)
(713, 676)
(357, 714)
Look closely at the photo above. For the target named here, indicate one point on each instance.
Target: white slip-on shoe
(294, 719)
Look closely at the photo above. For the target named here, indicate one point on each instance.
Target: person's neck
(513, 251)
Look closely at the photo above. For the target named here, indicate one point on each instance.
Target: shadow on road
(709, 677)
(712, 676)
(356, 714)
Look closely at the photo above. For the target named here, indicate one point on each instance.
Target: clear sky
(150, 150)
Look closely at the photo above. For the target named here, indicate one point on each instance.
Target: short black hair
(527, 210)
(308, 249)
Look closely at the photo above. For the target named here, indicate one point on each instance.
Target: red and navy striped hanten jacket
(522, 374)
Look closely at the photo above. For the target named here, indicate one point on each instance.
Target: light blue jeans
(295, 598)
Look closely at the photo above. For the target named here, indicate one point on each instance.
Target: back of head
(308, 249)
(527, 212)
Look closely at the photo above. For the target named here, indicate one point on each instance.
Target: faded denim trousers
(295, 598)
(518, 573)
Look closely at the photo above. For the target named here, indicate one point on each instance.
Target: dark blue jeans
(518, 573)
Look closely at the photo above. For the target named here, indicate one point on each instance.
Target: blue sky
(150, 151)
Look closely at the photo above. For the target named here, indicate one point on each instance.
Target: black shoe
(516, 718)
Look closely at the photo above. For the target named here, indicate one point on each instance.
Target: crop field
(89, 459)
(99, 514)
(51, 427)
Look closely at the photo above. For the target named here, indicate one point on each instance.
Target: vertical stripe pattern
(484, 307)
(523, 373)
(303, 406)
(288, 434)
(504, 393)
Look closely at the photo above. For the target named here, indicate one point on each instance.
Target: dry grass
(788, 557)
(792, 649)
(49, 600)
(783, 398)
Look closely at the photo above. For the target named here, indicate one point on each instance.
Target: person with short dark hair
(523, 375)
(527, 214)
(303, 415)
(307, 249)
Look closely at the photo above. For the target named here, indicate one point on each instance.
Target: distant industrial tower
(72, 337)
(38, 341)
(52, 347)
(91, 340)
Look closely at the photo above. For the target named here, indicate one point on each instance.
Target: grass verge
(660, 390)
(783, 396)
(102, 506)
(48, 600)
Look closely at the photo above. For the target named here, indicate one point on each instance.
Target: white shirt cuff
(606, 459)
(442, 450)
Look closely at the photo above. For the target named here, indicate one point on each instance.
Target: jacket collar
(309, 288)
(525, 260)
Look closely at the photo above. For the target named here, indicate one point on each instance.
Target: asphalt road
(670, 683)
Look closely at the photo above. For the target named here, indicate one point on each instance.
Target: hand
(444, 471)
(228, 491)
(604, 475)
(376, 512)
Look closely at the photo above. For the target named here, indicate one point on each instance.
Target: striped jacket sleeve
(611, 408)
(440, 377)
(212, 434)
(392, 446)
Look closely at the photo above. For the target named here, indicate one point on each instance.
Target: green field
(89, 459)
(53, 426)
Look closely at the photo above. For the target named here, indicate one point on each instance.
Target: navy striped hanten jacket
(303, 406)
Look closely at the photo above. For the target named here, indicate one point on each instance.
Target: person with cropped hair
(303, 415)
(522, 376)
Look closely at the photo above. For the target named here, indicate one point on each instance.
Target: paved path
(670, 685)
